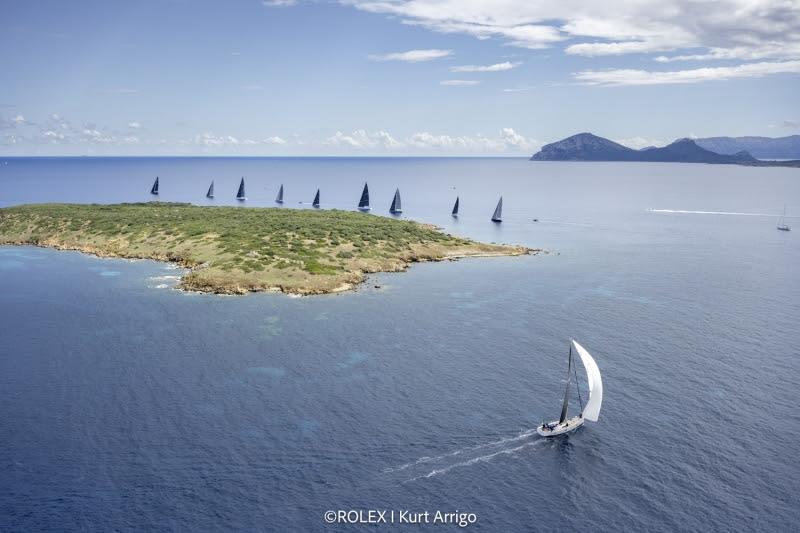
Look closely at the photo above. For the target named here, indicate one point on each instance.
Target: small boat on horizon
(396, 207)
(210, 193)
(782, 225)
(240, 193)
(592, 409)
(154, 188)
(279, 198)
(315, 203)
(455, 208)
(363, 203)
(498, 211)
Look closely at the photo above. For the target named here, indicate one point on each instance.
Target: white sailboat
(782, 225)
(591, 411)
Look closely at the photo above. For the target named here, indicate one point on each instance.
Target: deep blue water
(127, 405)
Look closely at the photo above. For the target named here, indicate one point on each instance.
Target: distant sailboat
(279, 198)
(396, 208)
(240, 193)
(782, 225)
(210, 193)
(498, 211)
(455, 208)
(592, 409)
(315, 203)
(154, 188)
(363, 203)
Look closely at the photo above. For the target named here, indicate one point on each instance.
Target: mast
(210, 193)
(279, 199)
(566, 392)
(455, 208)
(315, 203)
(498, 211)
(154, 188)
(363, 203)
(396, 206)
(240, 192)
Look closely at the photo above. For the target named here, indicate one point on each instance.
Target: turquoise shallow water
(128, 405)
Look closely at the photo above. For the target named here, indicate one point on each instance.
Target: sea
(129, 405)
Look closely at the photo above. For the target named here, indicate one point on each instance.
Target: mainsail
(364, 202)
(592, 409)
(566, 392)
(396, 206)
(498, 211)
(154, 188)
(210, 193)
(279, 199)
(315, 203)
(455, 207)
(240, 192)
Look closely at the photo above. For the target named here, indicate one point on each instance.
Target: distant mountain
(760, 147)
(588, 147)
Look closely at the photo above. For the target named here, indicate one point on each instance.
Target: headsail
(240, 192)
(455, 207)
(592, 409)
(566, 392)
(363, 203)
(315, 203)
(210, 193)
(154, 188)
(279, 198)
(498, 211)
(396, 206)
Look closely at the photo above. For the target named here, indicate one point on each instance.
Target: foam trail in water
(425, 459)
(479, 459)
(683, 212)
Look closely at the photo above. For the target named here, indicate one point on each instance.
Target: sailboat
(396, 207)
(498, 211)
(240, 193)
(154, 188)
(279, 198)
(315, 203)
(592, 409)
(363, 204)
(210, 193)
(782, 225)
(455, 208)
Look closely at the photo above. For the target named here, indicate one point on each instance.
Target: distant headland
(589, 147)
(234, 250)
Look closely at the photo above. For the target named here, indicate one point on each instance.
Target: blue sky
(389, 77)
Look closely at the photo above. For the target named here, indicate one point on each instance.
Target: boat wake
(463, 456)
(733, 213)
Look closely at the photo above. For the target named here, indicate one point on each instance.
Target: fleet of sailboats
(782, 225)
(591, 411)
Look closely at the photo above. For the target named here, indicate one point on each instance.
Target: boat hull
(784, 228)
(570, 424)
(365, 209)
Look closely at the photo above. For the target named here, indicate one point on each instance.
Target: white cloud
(364, 139)
(615, 77)
(497, 67)
(412, 56)
(18, 120)
(53, 135)
(508, 141)
(274, 140)
(459, 83)
(790, 124)
(279, 3)
(134, 125)
(637, 143)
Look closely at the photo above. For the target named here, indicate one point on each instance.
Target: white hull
(570, 424)
(364, 209)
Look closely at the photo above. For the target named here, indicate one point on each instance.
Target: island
(235, 250)
(590, 147)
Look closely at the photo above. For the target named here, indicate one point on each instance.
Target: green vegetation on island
(236, 249)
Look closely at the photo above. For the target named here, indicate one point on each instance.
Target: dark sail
(498, 211)
(315, 203)
(210, 193)
(364, 202)
(566, 392)
(240, 193)
(455, 207)
(154, 188)
(279, 199)
(396, 206)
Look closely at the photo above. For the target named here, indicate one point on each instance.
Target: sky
(389, 77)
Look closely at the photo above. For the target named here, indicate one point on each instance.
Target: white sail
(592, 409)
